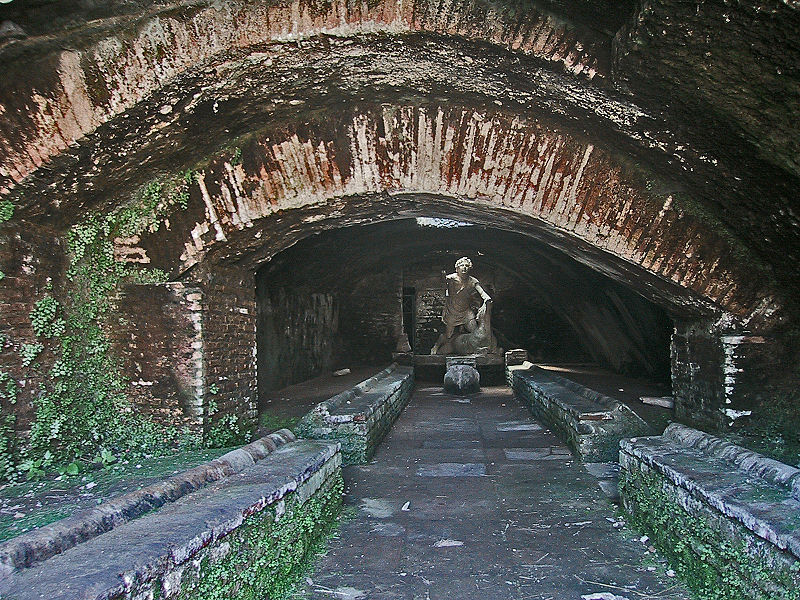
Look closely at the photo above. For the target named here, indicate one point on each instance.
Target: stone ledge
(30, 548)
(591, 423)
(169, 549)
(361, 416)
(742, 485)
(766, 468)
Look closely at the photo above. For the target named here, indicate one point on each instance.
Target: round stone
(462, 380)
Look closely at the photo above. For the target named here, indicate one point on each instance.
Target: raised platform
(727, 518)
(240, 537)
(361, 416)
(591, 423)
(432, 367)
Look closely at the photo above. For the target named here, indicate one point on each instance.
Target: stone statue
(458, 312)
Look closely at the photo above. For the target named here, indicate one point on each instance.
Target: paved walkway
(470, 498)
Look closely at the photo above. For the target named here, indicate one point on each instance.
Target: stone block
(462, 379)
(591, 423)
(726, 517)
(241, 537)
(360, 417)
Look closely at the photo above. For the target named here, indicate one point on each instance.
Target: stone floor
(470, 498)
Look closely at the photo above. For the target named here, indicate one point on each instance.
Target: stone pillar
(720, 375)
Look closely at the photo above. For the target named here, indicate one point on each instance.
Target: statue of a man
(461, 288)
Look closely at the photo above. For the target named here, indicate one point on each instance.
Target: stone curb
(765, 519)
(766, 468)
(28, 549)
(605, 403)
(326, 407)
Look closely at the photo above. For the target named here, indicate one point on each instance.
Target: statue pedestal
(470, 361)
(432, 368)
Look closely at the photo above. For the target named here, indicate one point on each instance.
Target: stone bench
(728, 519)
(40, 544)
(360, 417)
(242, 536)
(591, 423)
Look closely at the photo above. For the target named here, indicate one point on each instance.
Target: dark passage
(470, 498)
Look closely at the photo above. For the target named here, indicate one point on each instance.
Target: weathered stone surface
(28, 549)
(591, 423)
(297, 333)
(359, 418)
(675, 174)
(157, 332)
(713, 506)
(462, 379)
(177, 545)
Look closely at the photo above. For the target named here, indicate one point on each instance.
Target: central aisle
(470, 498)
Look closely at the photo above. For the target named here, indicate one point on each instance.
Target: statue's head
(463, 265)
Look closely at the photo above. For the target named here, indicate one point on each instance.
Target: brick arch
(453, 161)
(69, 89)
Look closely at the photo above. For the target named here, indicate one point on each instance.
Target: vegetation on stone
(713, 566)
(82, 411)
(268, 554)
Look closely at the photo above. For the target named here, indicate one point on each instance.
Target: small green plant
(72, 469)
(9, 390)
(224, 431)
(29, 352)
(35, 468)
(6, 210)
(45, 320)
(105, 458)
(236, 158)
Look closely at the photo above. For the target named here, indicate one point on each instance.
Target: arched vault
(662, 157)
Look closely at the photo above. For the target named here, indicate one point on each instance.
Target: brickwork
(80, 90)
(157, 332)
(720, 376)
(371, 317)
(229, 332)
(297, 335)
(31, 259)
(540, 177)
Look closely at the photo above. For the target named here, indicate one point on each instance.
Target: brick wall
(297, 335)
(157, 332)
(229, 332)
(31, 258)
(720, 376)
(697, 380)
(371, 317)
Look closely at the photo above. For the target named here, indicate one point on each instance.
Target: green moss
(269, 553)
(713, 567)
(273, 422)
(66, 495)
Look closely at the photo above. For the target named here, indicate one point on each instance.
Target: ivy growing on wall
(83, 413)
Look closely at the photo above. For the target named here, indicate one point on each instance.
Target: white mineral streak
(515, 166)
(211, 213)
